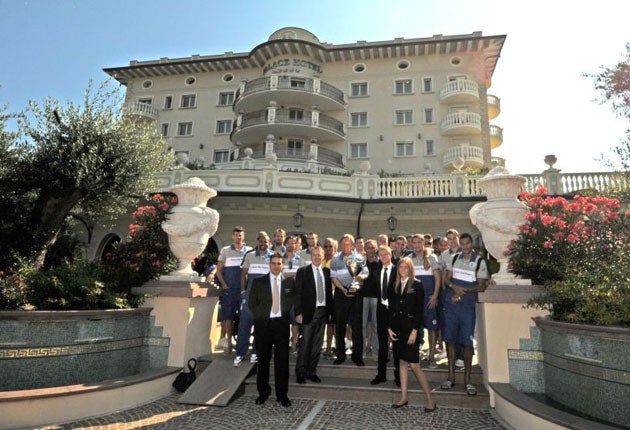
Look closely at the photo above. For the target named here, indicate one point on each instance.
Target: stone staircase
(350, 382)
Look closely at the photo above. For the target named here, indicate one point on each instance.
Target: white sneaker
(459, 363)
(222, 344)
(253, 359)
(238, 360)
(433, 365)
(441, 355)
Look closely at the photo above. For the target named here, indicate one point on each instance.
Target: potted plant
(578, 251)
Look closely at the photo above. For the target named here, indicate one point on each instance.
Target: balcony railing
(496, 136)
(461, 90)
(328, 126)
(464, 156)
(142, 109)
(283, 152)
(304, 85)
(372, 187)
(461, 123)
(494, 106)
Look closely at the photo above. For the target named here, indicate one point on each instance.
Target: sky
(53, 48)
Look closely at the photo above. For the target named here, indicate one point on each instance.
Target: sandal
(447, 385)
(471, 390)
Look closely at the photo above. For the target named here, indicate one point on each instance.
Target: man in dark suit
(313, 303)
(270, 302)
(383, 273)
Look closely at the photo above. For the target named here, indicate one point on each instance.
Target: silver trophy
(354, 263)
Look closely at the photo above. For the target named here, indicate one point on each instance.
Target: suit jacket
(375, 278)
(260, 299)
(406, 309)
(306, 293)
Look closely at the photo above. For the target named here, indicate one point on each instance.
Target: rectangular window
(168, 102)
(221, 156)
(427, 85)
(298, 83)
(404, 86)
(224, 126)
(428, 115)
(184, 128)
(226, 98)
(294, 147)
(404, 149)
(164, 130)
(404, 117)
(358, 119)
(429, 147)
(189, 101)
(296, 114)
(145, 100)
(358, 150)
(359, 89)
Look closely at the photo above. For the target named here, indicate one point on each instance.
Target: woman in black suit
(406, 302)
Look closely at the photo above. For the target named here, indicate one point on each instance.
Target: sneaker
(441, 355)
(433, 365)
(459, 363)
(238, 360)
(253, 359)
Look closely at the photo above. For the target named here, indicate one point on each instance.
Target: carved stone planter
(498, 219)
(190, 225)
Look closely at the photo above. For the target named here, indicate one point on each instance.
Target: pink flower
(548, 244)
(572, 238)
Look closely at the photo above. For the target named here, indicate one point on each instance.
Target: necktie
(320, 285)
(275, 297)
(384, 285)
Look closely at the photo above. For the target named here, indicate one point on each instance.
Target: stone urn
(190, 226)
(498, 218)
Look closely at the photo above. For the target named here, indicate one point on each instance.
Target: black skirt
(405, 351)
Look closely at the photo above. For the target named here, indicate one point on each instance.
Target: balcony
(372, 187)
(288, 90)
(144, 110)
(460, 91)
(494, 106)
(496, 136)
(461, 123)
(463, 156)
(253, 127)
(314, 159)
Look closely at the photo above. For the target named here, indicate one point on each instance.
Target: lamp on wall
(380, 137)
(298, 218)
(392, 221)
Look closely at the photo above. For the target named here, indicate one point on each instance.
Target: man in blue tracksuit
(466, 275)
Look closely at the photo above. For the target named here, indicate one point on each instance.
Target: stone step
(348, 369)
(338, 388)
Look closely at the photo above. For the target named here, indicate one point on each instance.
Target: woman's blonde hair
(409, 263)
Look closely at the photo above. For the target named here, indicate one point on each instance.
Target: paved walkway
(242, 413)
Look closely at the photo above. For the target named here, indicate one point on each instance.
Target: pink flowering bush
(579, 251)
(144, 254)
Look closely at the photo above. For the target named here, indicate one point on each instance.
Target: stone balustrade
(273, 181)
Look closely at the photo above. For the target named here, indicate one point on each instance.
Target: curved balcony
(460, 91)
(144, 110)
(463, 156)
(494, 106)
(253, 127)
(288, 90)
(461, 123)
(297, 157)
(496, 136)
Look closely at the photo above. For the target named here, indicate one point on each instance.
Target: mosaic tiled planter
(40, 349)
(587, 368)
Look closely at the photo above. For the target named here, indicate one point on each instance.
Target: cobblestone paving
(242, 413)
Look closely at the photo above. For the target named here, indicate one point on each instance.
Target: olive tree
(613, 86)
(86, 160)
